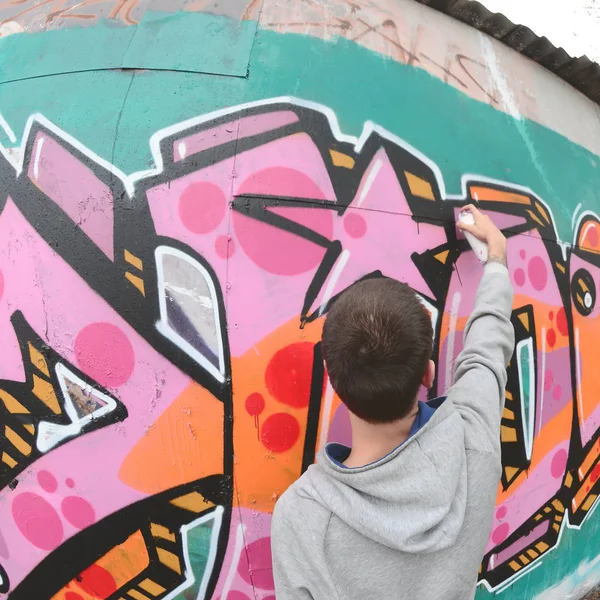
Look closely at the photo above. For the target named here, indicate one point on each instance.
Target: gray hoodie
(414, 524)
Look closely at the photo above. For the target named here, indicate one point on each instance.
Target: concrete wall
(183, 193)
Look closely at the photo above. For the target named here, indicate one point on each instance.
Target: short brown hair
(377, 342)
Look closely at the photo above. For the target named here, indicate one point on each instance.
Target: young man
(405, 513)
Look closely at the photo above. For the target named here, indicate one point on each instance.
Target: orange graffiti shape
(184, 444)
(271, 396)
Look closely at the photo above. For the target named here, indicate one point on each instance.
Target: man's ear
(429, 376)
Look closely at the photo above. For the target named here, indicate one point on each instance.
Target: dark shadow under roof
(582, 73)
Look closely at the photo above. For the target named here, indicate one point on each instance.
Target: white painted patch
(373, 172)
(10, 28)
(38, 153)
(451, 337)
(542, 391)
(336, 273)
(432, 310)
(326, 416)
(235, 560)
(575, 212)
(579, 391)
(498, 78)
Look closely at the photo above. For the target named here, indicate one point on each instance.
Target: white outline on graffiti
(165, 328)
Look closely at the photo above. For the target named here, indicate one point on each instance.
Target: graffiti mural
(161, 379)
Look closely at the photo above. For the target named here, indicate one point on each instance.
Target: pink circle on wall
(355, 225)
(47, 481)
(281, 182)
(282, 252)
(559, 464)
(202, 206)
(255, 566)
(78, 511)
(105, 353)
(548, 381)
(500, 533)
(37, 521)
(538, 273)
(519, 277)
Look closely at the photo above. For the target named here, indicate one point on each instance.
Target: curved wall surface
(185, 187)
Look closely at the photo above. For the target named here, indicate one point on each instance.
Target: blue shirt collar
(338, 453)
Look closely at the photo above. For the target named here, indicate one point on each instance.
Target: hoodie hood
(412, 500)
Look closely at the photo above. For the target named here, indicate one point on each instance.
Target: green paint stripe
(162, 41)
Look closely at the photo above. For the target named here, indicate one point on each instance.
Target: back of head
(377, 342)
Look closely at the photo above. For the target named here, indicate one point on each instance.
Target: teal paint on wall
(576, 548)
(114, 113)
(153, 44)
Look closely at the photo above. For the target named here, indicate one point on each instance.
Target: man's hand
(484, 229)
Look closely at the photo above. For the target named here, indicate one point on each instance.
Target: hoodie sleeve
(297, 544)
(480, 370)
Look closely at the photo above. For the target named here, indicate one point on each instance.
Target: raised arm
(480, 370)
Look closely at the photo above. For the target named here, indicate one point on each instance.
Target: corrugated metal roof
(582, 73)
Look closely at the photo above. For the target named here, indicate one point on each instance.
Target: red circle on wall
(97, 581)
(255, 404)
(280, 432)
(289, 373)
(561, 322)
